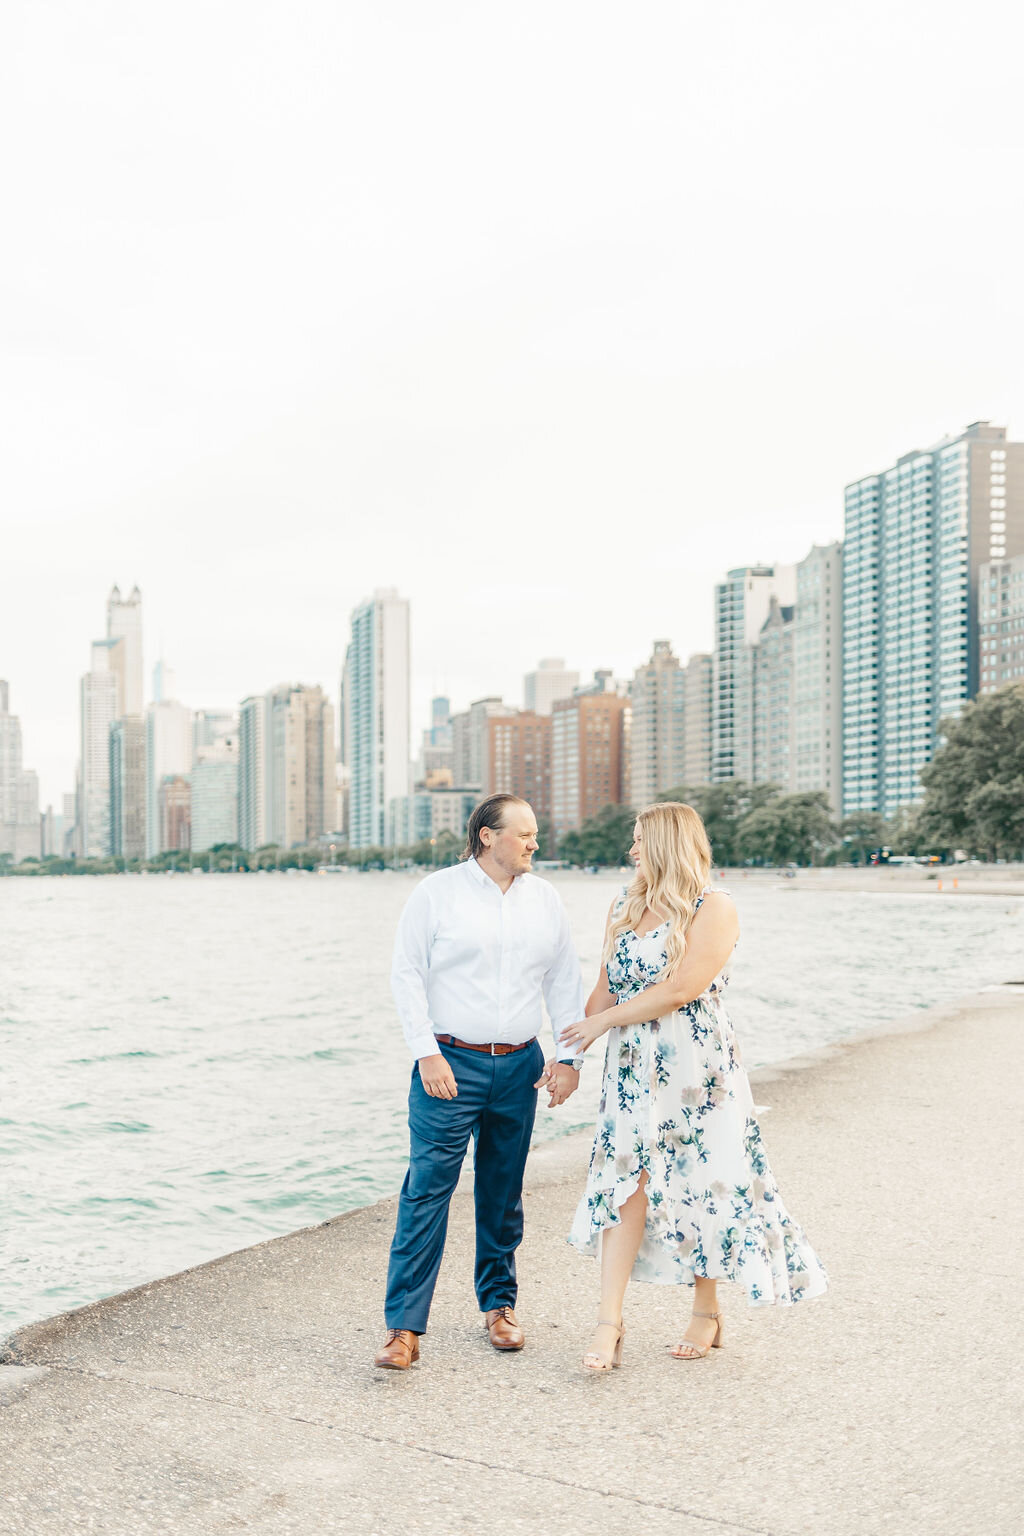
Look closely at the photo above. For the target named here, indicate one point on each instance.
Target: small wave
(89, 1061)
(130, 1126)
(132, 1200)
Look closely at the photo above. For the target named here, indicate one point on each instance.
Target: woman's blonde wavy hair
(677, 855)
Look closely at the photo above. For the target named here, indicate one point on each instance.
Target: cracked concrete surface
(240, 1396)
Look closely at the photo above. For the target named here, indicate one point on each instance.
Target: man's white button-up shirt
(472, 962)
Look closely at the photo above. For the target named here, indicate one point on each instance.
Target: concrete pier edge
(239, 1394)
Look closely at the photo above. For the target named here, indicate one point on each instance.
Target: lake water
(190, 1065)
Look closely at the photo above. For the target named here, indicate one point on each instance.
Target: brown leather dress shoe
(502, 1329)
(401, 1348)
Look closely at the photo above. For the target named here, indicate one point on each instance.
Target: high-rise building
(697, 692)
(742, 604)
(20, 827)
(436, 753)
(168, 755)
(128, 787)
(165, 683)
(124, 624)
(589, 747)
(1000, 623)
(769, 757)
(175, 799)
(214, 802)
(518, 759)
(376, 728)
(209, 726)
(69, 820)
(299, 765)
(252, 798)
(818, 674)
(470, 741)
(99, 699)
(552, 680)
(658, 728)
(428, 812)
(52, 828)
(916, 536)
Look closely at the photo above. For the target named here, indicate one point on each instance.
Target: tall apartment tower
(20, 825)
(916, 537)
(742, 604)
(214, 799)
(470, 741)
(168, 756)
(99, 703)
(299, 765)
(128, 787)
(376, 714)
(519, 759)
(1001, 623)
(552, 680)
(589, 752)
(658, 731)
(818, 674)
(697, 692)
(765, 754)
(124, 623)
(252, 800)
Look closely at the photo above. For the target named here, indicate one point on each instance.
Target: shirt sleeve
(563, 986)
(409, 966)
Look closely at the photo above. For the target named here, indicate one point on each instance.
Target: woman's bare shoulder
(720, 908)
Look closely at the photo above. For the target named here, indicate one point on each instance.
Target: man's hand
(437, 1077)
(560, 1080)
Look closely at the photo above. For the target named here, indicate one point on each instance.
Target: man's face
(513, 845)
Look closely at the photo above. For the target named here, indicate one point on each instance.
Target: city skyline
(771, 586)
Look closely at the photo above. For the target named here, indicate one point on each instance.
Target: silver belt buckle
(493, 1051)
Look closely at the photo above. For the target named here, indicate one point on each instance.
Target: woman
(679, 1190)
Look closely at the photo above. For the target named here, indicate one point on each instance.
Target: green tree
(974, 785)
(790, 829)
(722, 808)
(861, 833)
(603, 840)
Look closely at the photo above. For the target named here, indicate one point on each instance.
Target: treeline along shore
(972, 807)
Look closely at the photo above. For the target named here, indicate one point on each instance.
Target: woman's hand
(579, 1037)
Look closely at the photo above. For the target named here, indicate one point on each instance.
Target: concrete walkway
(240, 1396)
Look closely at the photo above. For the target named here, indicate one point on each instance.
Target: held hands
(560, 1080)
(437, 1077)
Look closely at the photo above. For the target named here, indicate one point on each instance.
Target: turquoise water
(191, 1064)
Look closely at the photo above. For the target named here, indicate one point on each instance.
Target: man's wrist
(576, 1062)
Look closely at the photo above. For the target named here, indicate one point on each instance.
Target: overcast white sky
(545, 313)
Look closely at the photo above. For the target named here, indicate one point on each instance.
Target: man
(477, 947)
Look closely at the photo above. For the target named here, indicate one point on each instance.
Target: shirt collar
(483, 878)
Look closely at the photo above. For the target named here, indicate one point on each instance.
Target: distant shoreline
(940, 879)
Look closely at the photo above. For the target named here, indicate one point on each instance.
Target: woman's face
(636, 853)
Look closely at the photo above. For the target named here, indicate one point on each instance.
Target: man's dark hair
(489, 813)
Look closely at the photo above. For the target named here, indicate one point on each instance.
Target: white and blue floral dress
(676, 1104)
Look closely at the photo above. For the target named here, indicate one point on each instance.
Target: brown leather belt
(492, 1050)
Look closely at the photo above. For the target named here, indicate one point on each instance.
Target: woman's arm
(602, 998)
(709, 943)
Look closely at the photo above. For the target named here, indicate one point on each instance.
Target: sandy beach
(240, 1395)
(906, 879)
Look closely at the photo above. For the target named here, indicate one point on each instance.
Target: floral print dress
(676, 1103)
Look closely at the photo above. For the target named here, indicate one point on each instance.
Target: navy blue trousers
(496, 1105)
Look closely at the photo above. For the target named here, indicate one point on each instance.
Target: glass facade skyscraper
(376, 716)
(916, 537)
